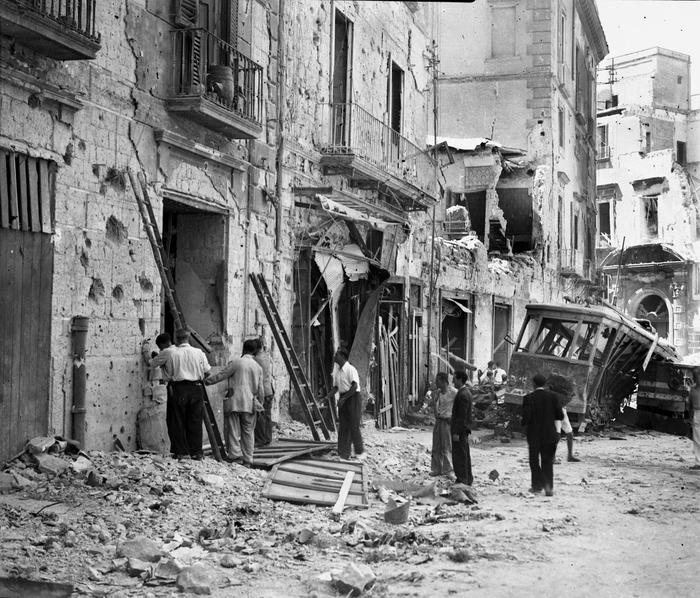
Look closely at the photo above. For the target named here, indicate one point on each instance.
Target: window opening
(650, 206)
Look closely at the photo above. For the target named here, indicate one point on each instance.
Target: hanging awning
(350, 257)
(342, 204)
(460, 303)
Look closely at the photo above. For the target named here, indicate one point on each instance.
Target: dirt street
(622, 522)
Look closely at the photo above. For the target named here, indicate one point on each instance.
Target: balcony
(215, 85)
(573, 265)
(60, 29)
(374, 156)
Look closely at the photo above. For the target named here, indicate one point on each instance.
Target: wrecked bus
(599, 350)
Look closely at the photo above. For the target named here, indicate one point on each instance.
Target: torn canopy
(335, 208)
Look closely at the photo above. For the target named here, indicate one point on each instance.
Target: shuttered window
(26, 192)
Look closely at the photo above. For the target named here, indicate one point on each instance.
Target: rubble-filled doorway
(501, 334)
(195, 242)
(456, 338)
(389, 379)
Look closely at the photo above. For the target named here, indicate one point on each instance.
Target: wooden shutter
(186, 12)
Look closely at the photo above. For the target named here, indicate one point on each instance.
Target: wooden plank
(45, 196)
(4, 192)
(22, 198)
(324, 499)
(337, 466)
(269, 461)
(9, 249)
(309, 480)
(14, 205)
(294, 467)
(43, 350)
(33, 195)
(343, 494)
(13, 339)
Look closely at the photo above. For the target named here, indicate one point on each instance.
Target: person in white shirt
(187, 366)
(346, 382)
(243, 399)
(494, 374)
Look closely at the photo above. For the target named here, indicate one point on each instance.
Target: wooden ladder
(138, 184)
(296, 374)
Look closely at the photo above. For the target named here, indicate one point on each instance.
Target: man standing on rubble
(461, 426)
(189, 366)
(442, 437)
(346, 382)
(245, 389)
(694, 409)
(541, 409)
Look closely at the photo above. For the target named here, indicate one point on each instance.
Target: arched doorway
(654, 308)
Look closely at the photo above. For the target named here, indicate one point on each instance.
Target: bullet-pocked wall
(213, 193)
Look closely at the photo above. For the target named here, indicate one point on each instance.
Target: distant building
(648, 155)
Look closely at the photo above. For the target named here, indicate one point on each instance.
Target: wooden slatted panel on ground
(317, 482)
(287, 448)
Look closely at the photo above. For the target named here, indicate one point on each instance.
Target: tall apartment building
(648, 154)
(184, 92)
(516, 106)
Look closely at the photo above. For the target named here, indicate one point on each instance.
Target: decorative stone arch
(640, 297)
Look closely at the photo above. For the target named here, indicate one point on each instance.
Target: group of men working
(543, 416)
(247, 406)
(248, 399)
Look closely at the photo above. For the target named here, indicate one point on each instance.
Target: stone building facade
(647, 158)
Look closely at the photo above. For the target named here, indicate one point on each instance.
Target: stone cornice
(588, 11)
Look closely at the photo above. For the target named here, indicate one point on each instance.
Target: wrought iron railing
(207, 66)
(353, 130)
(78, 15)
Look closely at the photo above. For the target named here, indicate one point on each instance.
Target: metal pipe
(79, 329)
(280, 124)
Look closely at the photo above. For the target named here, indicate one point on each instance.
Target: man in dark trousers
(346, 382)
(461, 425)
(541, 409)
(189, 366)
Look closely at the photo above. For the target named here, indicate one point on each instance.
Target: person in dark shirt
(541, 409)
(461, 427)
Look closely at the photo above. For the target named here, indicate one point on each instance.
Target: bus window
(527, 332)
(602, 343)
(554, 337)
(584, 343)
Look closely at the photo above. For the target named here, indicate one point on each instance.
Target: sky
(632, 25)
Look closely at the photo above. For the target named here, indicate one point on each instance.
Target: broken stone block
(7, 483)
(230, 561)
(81, 464)
(396, 513)
(493, 475)
(168, 569)
(140, 548)
(196, 579)
(21, 482)
(354, 578)
(40, 444)
(50, 464)
(136, 567)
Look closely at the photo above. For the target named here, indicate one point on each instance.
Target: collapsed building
(293, 139)
(648, 219)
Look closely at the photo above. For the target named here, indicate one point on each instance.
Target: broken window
(680, 152)
(26, 192)
(342, 78)
(475, 202)
(650, 210)
(502, 31)
(558, 338)
(562, 126)
(516, 204)
(604, 227)
(501, 334)
(456, 330)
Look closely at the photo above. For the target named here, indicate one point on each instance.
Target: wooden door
(26, 277)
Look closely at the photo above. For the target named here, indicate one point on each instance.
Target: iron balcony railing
(207, 66)
(354, 131)
(78, 15)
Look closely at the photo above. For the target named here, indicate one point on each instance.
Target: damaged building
(647, 157)
(517, 116)
(293, 139)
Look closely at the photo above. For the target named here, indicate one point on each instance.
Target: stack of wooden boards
(387, 411)
(297, 477)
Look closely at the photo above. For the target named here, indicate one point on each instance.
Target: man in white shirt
(187, 366)
(494, 374)
(243, 398)
(346, 382)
